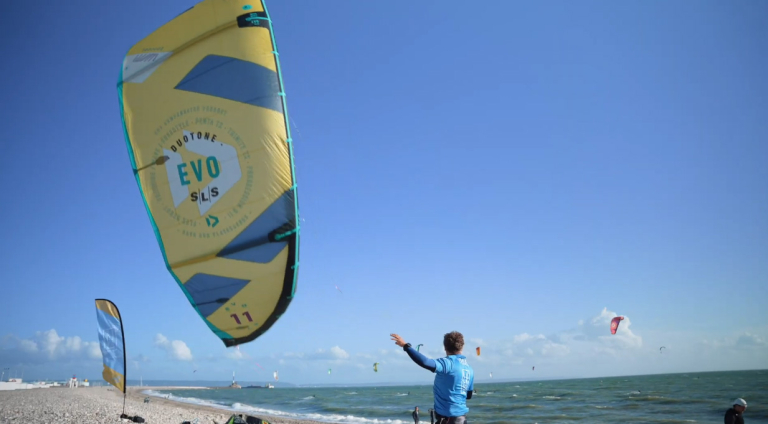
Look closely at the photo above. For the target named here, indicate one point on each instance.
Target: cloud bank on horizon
(587, 349)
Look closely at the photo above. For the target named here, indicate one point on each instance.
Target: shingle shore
(104, 405)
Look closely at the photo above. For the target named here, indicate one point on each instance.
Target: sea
(667, 398)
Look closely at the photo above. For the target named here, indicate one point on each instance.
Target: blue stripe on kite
(253, 244)
(236, 80)
(111, 341)
(210, 292)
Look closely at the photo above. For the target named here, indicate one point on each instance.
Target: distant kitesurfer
(415, 415)
(734, 414)
(454, 379)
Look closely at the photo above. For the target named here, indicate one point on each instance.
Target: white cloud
(599, 328)
(47, 346)
(476, 342)
(527, 345)
(750, 340)
(333, 354)
(176, 349)
(590, 340)
(28, 346)
(138, 359)
(235, 354)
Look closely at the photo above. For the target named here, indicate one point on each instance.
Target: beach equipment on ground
(240, 419)
(206, 125)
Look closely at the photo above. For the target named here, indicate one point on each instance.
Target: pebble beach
(104, 405)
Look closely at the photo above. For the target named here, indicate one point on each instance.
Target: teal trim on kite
(290, 146)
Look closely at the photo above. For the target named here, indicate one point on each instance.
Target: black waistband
(442, 419)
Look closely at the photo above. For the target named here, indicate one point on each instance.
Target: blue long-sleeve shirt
(420, 359)
(454, 382)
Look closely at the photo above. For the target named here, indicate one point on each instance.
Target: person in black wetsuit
(735, 414)
(415, 415)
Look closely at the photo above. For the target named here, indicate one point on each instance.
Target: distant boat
(267, 386)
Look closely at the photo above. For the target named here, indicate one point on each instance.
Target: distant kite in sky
(337, 288)
(376, 367)
(418, 346)
(663, 347)
(615, 324)
(477, 349)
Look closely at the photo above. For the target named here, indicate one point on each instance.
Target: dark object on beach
(146, 400)
(136, 419)
(236, 419)
(239, 419)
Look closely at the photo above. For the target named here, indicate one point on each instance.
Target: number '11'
(247, 315)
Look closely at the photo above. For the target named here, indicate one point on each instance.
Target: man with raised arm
(454, 378)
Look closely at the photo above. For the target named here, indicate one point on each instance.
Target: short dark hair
(453, 341)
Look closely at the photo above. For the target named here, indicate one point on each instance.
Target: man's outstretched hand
(398, 340)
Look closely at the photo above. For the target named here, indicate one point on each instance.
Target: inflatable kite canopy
(615, 324)
(206, 125)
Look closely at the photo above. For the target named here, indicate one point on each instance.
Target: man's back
(733, 417)
(453, 378)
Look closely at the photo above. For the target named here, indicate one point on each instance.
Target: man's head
(740, 405)
(453, 343)
(417, 408)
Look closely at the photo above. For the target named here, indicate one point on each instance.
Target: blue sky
(516, 171)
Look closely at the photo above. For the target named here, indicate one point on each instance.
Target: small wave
(329, 418)
(602, 407)
(513, 407)
(551, 397)
(350, 393)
